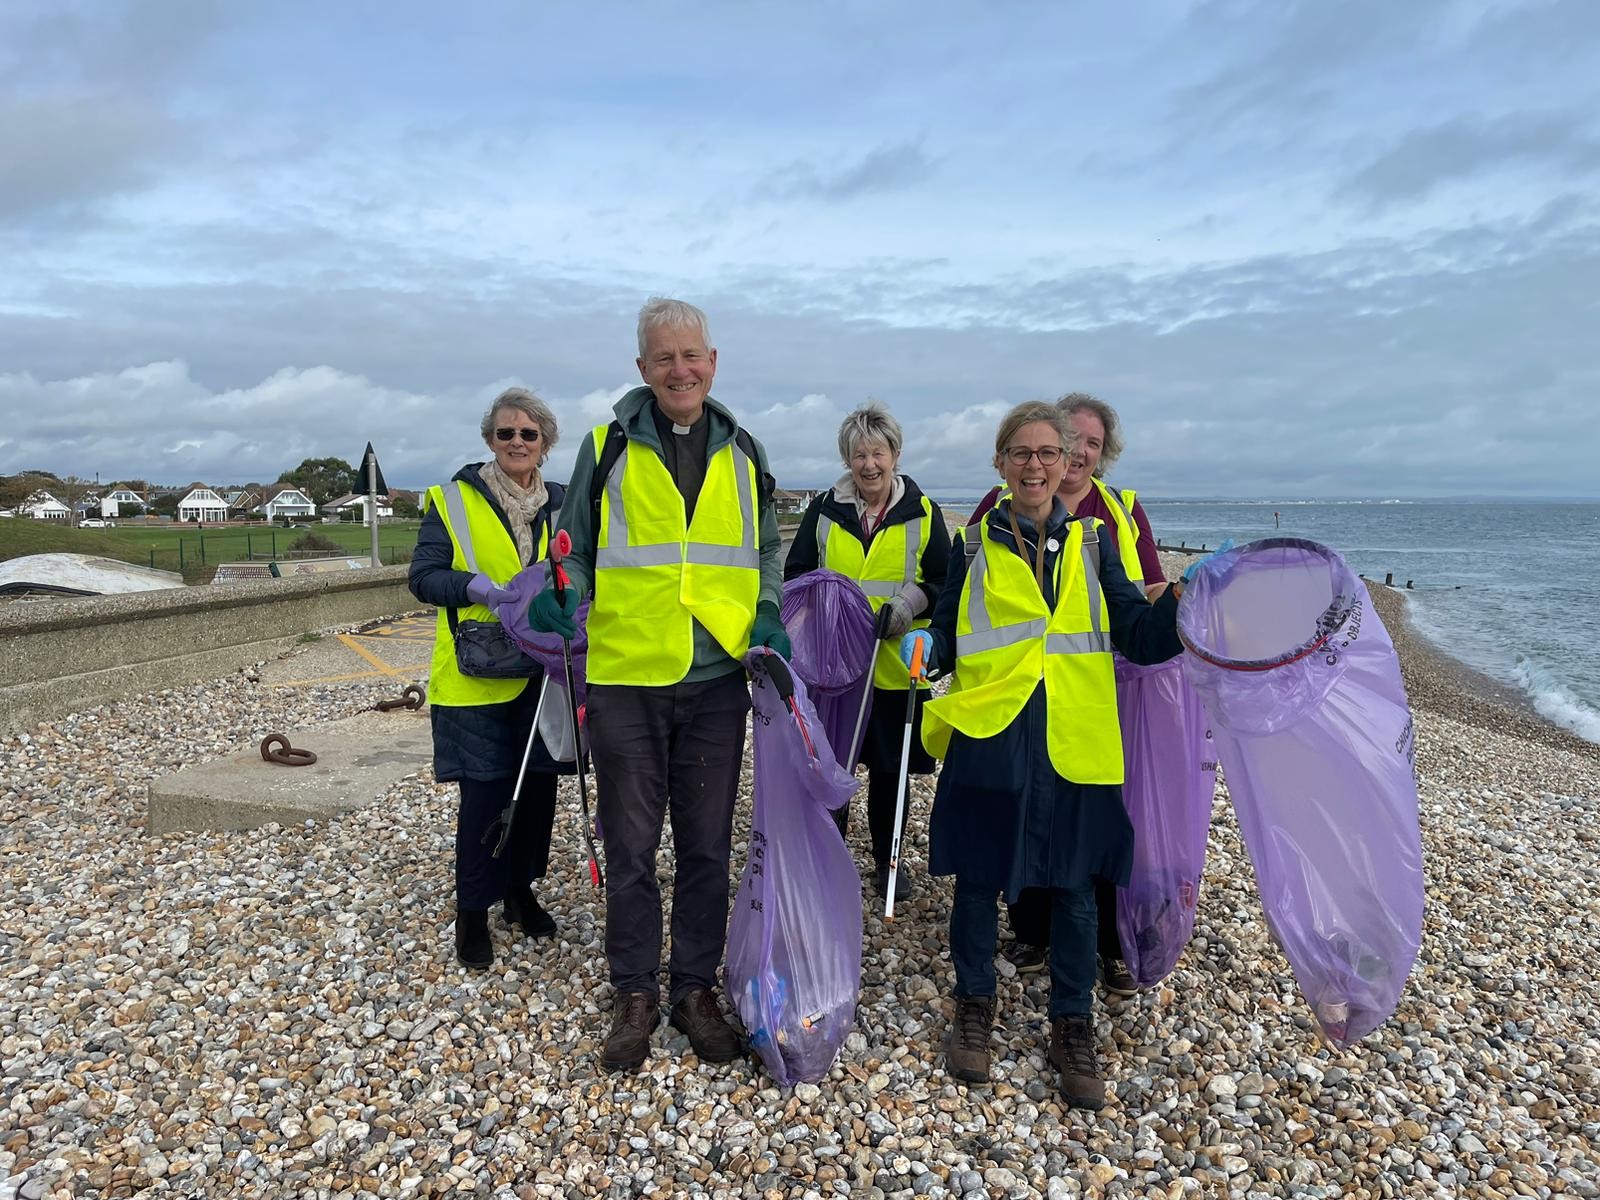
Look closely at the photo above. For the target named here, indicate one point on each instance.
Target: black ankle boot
(473, 947)
(523, 908)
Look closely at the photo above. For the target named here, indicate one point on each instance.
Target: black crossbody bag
(484, 650)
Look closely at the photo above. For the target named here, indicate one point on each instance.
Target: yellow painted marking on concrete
(372, 658)
(406, 629)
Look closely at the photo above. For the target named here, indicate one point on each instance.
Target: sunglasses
(528, 435)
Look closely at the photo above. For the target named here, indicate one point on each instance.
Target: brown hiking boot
(966, 1053)
(633, 1020)
(1073, 1052)
(698, 1015)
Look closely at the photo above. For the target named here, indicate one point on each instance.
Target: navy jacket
(1002, 817)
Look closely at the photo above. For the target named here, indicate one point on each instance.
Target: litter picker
(560, 547)
(510, 814)
(905, 778)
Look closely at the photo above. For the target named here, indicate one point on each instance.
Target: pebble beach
(279, 1012)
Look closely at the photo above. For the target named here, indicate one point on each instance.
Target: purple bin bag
(1170, 779)
(543, 648)
(555, 723)
(794, 940)
(830, 621)
(1303, 689)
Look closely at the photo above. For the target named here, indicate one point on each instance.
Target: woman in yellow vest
(491, 521)
(1086, 494)
(877, 527)
(1031, 790)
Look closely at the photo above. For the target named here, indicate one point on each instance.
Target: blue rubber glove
(483, 590)
(549, 615)
(769, 631)
(1188, 572)
(907, 648)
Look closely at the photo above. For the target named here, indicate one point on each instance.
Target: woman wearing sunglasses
(488, 523)
(1031, 791)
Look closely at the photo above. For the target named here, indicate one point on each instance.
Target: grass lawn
(175, 547)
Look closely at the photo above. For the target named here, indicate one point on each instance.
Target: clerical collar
(680, 430)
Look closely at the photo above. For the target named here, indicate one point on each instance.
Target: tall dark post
(372, 504)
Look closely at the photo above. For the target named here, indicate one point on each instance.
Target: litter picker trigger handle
(916, 658)
(778, 671)
(560, 547)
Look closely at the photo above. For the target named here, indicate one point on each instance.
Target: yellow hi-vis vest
(656, 574)
(892, 562)
(483, 545)
(1120, 505)
(1007, 641)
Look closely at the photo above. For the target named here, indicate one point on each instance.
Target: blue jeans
(975, 932)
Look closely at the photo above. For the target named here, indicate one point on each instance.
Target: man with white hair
(674, 533)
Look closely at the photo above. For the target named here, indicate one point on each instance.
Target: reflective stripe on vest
(482, 545)
(882, 569)
(1007, 643)
(1121, 509)
(656, 574)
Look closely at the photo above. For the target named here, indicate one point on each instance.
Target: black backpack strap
(745, 442)
(616, 442)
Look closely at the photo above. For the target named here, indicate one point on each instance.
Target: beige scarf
(521, 504)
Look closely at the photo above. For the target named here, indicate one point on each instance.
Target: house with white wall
(42, 506)
(286, 500)
(201, 503)
(350, 503)
(121, 502)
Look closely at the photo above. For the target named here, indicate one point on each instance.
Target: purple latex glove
(483, 590)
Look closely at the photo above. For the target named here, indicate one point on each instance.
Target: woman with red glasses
(488, 523)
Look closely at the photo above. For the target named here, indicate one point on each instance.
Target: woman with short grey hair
(523, 401)
(876, 526)
(491, 522)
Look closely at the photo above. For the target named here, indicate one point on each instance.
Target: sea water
(1511, 589)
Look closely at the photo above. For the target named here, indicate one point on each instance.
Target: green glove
(769, 631)
(548, 615)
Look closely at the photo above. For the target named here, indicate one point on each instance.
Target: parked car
(91, 523)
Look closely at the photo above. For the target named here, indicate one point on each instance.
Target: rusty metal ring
(275, 748)
(411, 699)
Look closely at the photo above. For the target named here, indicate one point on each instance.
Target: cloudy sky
(1306, 248)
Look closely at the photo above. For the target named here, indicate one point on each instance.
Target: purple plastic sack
(1315, 737)
(1171, 776)
(794, 941)
(555, 721)
(829, 621)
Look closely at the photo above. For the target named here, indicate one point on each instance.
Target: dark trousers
(1030, 918)
(482, 879)
(975, 929)
(881, 789)
(657, 751)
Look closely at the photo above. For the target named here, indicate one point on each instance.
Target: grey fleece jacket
(577, 516)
